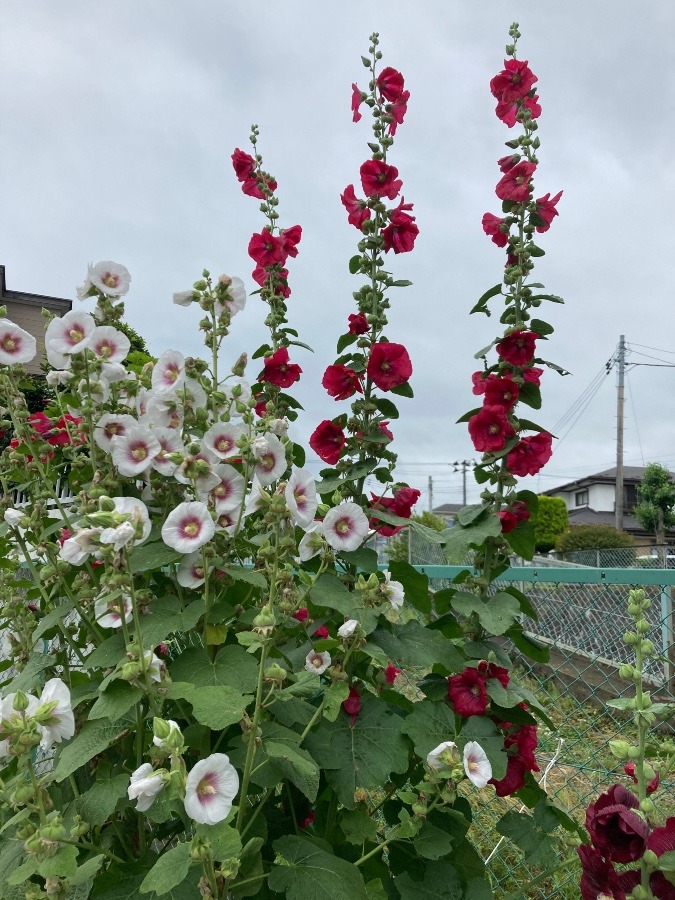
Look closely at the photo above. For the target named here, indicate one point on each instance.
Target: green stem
(543, 876)
(251, 746)
(257, 810)
(87, 846)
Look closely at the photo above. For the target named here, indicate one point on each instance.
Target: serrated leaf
(224, 839)
(310, 873)
(297, 766)
(432, 842)
(358, 826)
(115, 701)
(93, 738)
(412, 645)
(261, 351)
(334, 697)
(329, 592)
(216, 706)
(152, 556)
(524, 831)
(166, 616)
(365, 558)
(107, 654)
(232, 667)
(98, 803)
(168, 872)
(85, 872)
(386, 407)
(250, 576)
(528, 646)
(470, 514)
(460, 540)
(62, 865)
(496, 615)
(429, 724)
(541, 328)
(440, 882)
(530, 394)
(27, 679)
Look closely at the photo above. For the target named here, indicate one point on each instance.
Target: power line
(656, 349)
(637, 430)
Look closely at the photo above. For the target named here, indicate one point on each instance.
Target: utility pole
(618, 496)
(464, 465)
(431, 494)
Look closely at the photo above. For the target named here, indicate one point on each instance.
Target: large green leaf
(115, 701)
(310, 873)
(233, 667)
(440, 882)
(432, 842)
(168, 872)
(27, 679)
(413, 645)
(459, 540)
(428, 725)
(94, 737)
(329, 592)
(152, 556)
(52, 618)
(224, 839)
(358, 825)
(297, 766)
(166, 617)
(216, 706)
(363, 756)
(415, 585)
(107, 654)
(496, 615)
(98, 803)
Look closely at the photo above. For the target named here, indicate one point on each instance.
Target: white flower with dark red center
(210, 789)
(300, 495)
(77, 549)
(109, 277)
(183, 298)
(134, 451)
(226, 521)
(164, 411)
(393, 591)
(109, 344)
(271, 456)
(60, 725)
(120, 536)
(317, 662)
(70, 334)
(108, 613)
(347, 630)
(312, 542)
(190, 572)
(138, 515)
(109, 426)
(169, 442)
(228, 494)
(168, 374)
(237, 300)
(257, 498)
(221, 439)
(443, 756)
(476, 764)
(345, 527)
(144, 786)
(16, 345)
(188, 527)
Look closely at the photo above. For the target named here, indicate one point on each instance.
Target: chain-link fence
(658, 557)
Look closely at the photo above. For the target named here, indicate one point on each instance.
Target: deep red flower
(490, 429)
(390, 673)
(321, 633)
(401, 233)
(266, 249)
(390, 83)
(530, 454)
(598, 876)
(301, 614)
(380, 179)
(251, 186)
(61, 437)
(479, 381)
(467, 693)
(491, 227)
(524, 741)
(397, 111)
(358, 324)
(327, 441)
(279, 371)
(244, 164)
(261, 408)
(401, 504)
(290, 238)
(518, 348)
(491, 670)
(508, 162)
(501, 392)
(662, 840)
(385, 430)
(546, 210)
(514, 82)
(341, 382)
(533, 374)
(515, 184)
(356, 102)
(629, 769)
(513, 780)
(388, 365)
(511, 517)
(357, 210)
(307, 821)
(65, 534)
(162, 649)
(352, 705)
(41, 423)
(508, 112)
(615, 829)
(659, 885)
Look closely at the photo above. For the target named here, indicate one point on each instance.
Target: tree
(598, 537)
(399, 547)
(656, 509)
(550, 521)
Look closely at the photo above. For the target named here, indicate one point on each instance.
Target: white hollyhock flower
(476, 764)
(256, 498)
(109, 277)
(138, 516)
(108, 613)
(70, 333)
(78, 548)
(345, 527)
(301, 499)
(221, 439)
(61, 724)
(58, 377)
(188, 527)
(211, 787)
(347, 630)
(169, 442)
(168, 375)
(16, 345)
(163, 411)
(271, 456)
(183, 298)
(115, 373)
(154, 665)
(134, 451)
(144, 786)
(207, 479)
(393, 591)
(226, 521)
(317, 662)
(112, 425)
(190, 572)
(13, 517)
(119, 537)
(237, 300)
(312, 542)
(442, 756)
(109, 344)
(228, 494)
(193, 394)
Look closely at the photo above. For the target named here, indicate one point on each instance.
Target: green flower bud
(647, 806)
(200, 849)
(106, 504)
(20, 703)
(650, 858)
(275, 674)
(161, 728)
(627, 671)
(630, 638)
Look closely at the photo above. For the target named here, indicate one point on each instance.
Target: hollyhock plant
(69, 334)
(358, 324)
(442, 756)
(317, 663)
(476, 764)
(514, 185)
(188, 527)
(58, 722)
(514, 82)
(518, 347)
(492, 227)
(109, 277)
(357, 210)
(144, 786)
(467, 693)
(391, 673)
(546, 211)
(401, 233)
(212, 784)
(301, 498)
(616, 829)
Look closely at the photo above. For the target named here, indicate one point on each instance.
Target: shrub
(598, 537)
(550, 521)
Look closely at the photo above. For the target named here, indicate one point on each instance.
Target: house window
(581, 498)
(630, 497)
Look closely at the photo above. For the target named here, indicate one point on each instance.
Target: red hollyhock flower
(615, 830)
(162, 649)
(491, 227)
(327, 441)
(510, 518)
(358, 324)
(508, 112)
(280, 277)
(490, 429)
(480, 381)
(279, 371)
(629, 769)
(321, 633)
(397, 111)
(341, 382)
(40, 423)
(383, 428)
(662, 840)
(60, 437)
(467, 693)
(309, 818)
(491, 670)
(261, 408)
(525, 743)
(390, 673)
(380, 179)
(501, 392)
(515, 184)
(546, 210)
(302, 614)
(266, 249)
(352, 705)
(401, 233)
(513, 780)
(598, 876)
(401, 504)
(357, 210)
(244, 164)
(533, 374)
(388, 365)
(530, 454)
(290, 238)
(508, 162)
(390, 83)
(518, 348)
(251, 186)
(356, 102)
(514, 82)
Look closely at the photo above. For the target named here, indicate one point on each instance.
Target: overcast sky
(117, 124)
